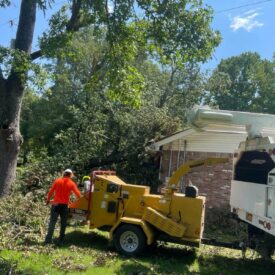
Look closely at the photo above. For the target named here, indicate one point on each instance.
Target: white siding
(213, 139)
(207, 142)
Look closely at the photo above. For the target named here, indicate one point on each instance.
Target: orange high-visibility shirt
(62, 188)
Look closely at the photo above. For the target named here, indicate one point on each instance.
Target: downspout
(179, 150)
(160, 162)
(184, 160)
(184, 150)
(170, 161)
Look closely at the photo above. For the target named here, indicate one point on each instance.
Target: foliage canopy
(244, 83)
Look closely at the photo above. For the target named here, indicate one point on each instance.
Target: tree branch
(168, 89)
(36, 54)
(25, 30)
(73, 24)
(2, 86)
(107, 14)
(1, 75)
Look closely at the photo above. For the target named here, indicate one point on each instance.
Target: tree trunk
(10, 138)
(11, 94)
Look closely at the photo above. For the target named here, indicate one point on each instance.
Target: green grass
(89, 252)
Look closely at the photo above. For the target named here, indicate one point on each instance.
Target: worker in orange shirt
(61, 188)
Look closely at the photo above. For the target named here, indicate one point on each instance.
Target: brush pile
(23, 220)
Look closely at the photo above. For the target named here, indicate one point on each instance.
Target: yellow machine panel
(133, 205)
(191, 213)
(111, 178)
(158, 202)
(103, 206)
(163, 223)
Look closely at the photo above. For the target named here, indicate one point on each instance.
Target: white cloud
(252, 11)
(246, 21)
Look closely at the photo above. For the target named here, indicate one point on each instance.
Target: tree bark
(10, 137)
(11, 94)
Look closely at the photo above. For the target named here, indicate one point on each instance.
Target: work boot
(60, 241)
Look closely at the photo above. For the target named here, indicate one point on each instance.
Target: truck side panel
(249, 196)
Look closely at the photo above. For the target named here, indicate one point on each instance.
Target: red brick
(211, 180)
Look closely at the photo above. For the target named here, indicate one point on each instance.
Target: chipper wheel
(129, 239)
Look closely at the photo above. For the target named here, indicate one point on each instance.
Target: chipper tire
(129, 240)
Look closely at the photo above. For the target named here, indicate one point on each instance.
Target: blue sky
(245, 25)
(9, 19)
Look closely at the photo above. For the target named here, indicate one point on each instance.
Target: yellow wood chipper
(135, 218)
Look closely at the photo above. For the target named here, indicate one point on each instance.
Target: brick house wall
(212, 181)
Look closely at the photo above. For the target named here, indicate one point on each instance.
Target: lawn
(89, 252)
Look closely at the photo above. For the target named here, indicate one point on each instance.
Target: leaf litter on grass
(67, 263)
(105, 259)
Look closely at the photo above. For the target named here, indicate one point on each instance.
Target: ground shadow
(90, 239)
(161, 259)
(7, 267)
(221, 264)
(157, 258)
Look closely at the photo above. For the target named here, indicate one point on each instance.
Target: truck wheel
(266, 246)
(129, 239)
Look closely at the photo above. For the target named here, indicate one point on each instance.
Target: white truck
(252, 198)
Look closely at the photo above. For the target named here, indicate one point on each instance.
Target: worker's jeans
(57, 210)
